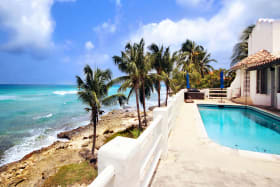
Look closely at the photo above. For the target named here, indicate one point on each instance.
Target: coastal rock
(70, 134)
(108, 131)
(37, 166)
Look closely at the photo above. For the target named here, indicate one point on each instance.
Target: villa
(258, 76)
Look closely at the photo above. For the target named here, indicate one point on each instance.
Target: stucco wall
(260, 99)
(265, 35)
(236, 84)
(278, 101)
(261, 38)
(276, 36)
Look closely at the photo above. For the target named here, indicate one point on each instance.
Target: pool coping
(243, 153)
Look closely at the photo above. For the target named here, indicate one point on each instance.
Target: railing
(215, 93)
(132, 162)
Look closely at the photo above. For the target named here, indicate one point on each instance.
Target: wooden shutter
(264, 81)
(258, 81)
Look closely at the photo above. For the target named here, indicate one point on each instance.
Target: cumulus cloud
(28, 24)
(105, 27)
(89, 45)
(218, 34)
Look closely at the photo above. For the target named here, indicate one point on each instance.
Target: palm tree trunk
(167, 88)
(158, 91)
(202, 74)
(94, 121)
(138, 109)
(144, 104)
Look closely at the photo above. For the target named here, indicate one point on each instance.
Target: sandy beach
(36, 167)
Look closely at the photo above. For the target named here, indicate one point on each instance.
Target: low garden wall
(132, 162)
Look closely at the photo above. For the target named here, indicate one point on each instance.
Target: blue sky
(49, 41)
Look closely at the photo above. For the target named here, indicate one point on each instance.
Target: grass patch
(82, 173)
(132, 132)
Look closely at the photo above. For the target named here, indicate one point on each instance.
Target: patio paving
(194, 160)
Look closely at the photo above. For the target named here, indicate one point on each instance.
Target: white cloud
(29, 25)
(218, 34)
(106, 27)
(28, 22)
(89, 45)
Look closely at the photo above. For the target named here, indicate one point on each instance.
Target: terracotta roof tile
(260, 58)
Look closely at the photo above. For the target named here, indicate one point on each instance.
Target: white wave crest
(7, 97)
(65, 92)
(42, 117)
(41, 137)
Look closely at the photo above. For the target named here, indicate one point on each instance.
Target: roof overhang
(262, 66)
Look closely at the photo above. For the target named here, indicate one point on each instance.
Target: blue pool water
(241, 128)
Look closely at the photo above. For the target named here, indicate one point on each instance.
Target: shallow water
(242, 128)
(32, 115)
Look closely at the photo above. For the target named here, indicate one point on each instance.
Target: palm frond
(113, 99)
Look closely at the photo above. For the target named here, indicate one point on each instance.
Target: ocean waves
(37, 139)
(7, 97)
(65, 92)
(43, 117)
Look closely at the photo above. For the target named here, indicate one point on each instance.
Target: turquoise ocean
(32, 115)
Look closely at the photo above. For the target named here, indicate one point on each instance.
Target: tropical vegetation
(240, 50)
(93, 91)
(147, 69)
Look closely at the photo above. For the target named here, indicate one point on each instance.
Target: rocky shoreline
(35, 167)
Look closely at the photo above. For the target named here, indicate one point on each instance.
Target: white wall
(236, 84)
(260, 99)
(278, 100)
(265, 35)
(276, 36)
(125, 162)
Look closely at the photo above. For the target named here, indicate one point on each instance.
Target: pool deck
(194, 160)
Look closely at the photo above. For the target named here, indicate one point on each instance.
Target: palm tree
(145, 78)
(93, 91)
(240, 50)
(191, 50)
(157, 59)
(204, 63)
(130, 63)
(168, 62)
(145, 91)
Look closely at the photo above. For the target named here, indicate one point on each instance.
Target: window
(262, 81)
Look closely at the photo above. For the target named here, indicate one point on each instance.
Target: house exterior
(258, 75)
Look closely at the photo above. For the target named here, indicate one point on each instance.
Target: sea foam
(42, 117)
(65, 92)
(7, 97)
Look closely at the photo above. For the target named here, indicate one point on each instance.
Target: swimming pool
(242, 128)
